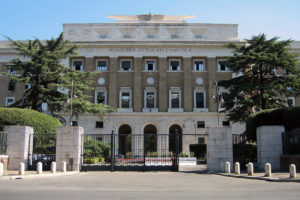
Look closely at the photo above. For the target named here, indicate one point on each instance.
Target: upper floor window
(290, 101)
(199, 100)
(126, 65)
(9, 101)
(11, 86)
(150, 65)
(174, 97)
(149, 97)
(100, 95)
(174, 65)
(222, 66)
(77, 65)
(125, 97)
(199, 65)
(101, 65)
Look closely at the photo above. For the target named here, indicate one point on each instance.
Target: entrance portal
(150, 134)
(172, 130)
(124, 141)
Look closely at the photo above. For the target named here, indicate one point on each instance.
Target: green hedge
(42, 123)
(288, 117)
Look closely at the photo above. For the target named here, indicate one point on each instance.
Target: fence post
(268, 171)
(237, 168)
(39, 168)
(21, 168)
(293, 171)
(112, 150)
(53, 167)
(227, 167)
(144, 135)
(64, 166)
(250, 169)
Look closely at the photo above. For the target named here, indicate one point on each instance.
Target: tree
(259, 87)
(44, 72)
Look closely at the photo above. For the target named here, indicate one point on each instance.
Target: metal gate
(3, 143)
(137, 152)
(43, 148)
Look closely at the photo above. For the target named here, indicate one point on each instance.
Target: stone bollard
(1, 169)
(268, 171)
(293, 171)
(53, 167)
(250, 169)
(227, 167)
(21, 168)
(64, 166)
(237, 168)
(39, 168)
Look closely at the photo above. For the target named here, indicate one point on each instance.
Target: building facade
(158, 71)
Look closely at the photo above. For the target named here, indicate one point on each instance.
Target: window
(150, 99)
(126, 36)
(102, 36)
(150, 36)
(77, 65)
(125, 65)
(12, 71)
(226, 123)
(222, 94)
(99, 124)
(222, 66)
(174, 36)
(100, 95)
(199, 65)
(175, 100)
(150, 66)
(11, 86)
(9, 101)
(199, 100)
(174, 65)
(200, 124)
(27, 86)
(290, 101)
(101, 65)
(125, 99)
(74, 123)
(44, 107)
(201, 140)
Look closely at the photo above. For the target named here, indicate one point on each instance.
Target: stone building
(158, 71)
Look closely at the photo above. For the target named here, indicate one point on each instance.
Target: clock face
(150, 81)
(199, 81)
(101, 81)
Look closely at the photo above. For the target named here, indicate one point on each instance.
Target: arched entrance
(125, 141)
(150, 134)
(172, 130)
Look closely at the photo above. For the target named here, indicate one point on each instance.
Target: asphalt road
(145, 185)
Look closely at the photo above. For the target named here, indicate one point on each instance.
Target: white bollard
(1, 169)
(237, 169)
(64, 166)
(21, 169)
(39, 168)
(268, 171)
(250, 169)
(293, 171)
(53, 167)
(227, 167)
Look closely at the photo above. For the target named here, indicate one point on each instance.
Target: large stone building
(158, 71)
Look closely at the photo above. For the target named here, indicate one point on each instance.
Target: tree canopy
(46, 76)
(267, 74)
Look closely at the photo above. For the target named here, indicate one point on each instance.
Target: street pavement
(145, 185)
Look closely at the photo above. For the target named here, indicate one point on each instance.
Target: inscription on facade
(150, 50)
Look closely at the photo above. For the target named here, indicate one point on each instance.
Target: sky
(43, 19)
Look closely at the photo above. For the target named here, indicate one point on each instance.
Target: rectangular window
(150, 66)
(74, 123)
(9, 101)
(101, 65)
(101, 97)
(199, 100)
(290, 101)
(200, 140)
(11, 86)
(125, 65)
(12, 71)
(150, 98)
(125, 100)
(174, 65)
(222, 66)
(99, 124)
(198, 65)
(200, 124)
(78, 65)
(175, 100)
(226, 123)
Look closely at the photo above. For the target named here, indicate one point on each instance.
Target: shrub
(183, 154)
(244, 153)
(95, 150)
(287, 117)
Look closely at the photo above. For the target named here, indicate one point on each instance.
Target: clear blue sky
(27, 19)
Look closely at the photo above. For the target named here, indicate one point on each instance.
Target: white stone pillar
(53, 167)
(269, 146)
(227, 167)
(293, 171)
(219, 148)
(1, 169)
(18, 145)
(39, 168)
(64, 166)
(21, 168)
(268, 171)
(250, 169)
(237, 168)
(69, 141)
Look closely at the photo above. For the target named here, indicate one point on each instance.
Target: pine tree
(268, 75)
(44, 72)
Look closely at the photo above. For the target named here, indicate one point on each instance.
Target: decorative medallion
(150, 81)
(101, 81)
(199, 81)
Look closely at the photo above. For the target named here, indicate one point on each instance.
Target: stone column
(269, 146)
(219, 148)
(187, 89)
(163, 93)
(69, 141)
(138, 93)
(18, 145)
(113, 97)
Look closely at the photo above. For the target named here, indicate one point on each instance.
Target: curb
(259, 178)
(15, 177)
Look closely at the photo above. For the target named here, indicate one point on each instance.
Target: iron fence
(3, 143)
(291, 142)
